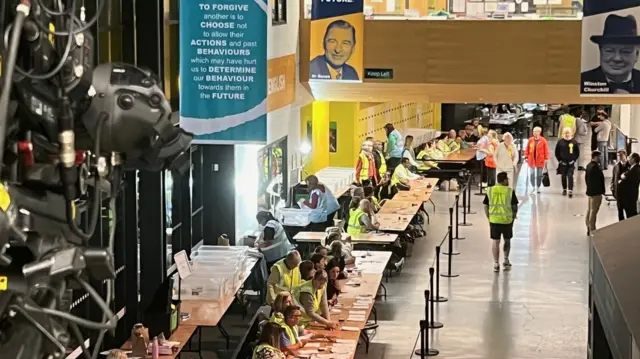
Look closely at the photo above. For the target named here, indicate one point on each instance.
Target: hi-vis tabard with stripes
(500, 211)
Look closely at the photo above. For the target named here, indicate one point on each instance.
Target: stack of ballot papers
(357, 316)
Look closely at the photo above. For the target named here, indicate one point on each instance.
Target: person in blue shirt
(395, 146)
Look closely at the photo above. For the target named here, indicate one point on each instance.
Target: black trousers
(567, 178)
(491, 176)
(630, 209)
(392, 163)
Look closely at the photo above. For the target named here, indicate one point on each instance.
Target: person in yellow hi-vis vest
(427, 152)
(366, 164)
(566, 121)
(360, 219)
(501, 207)
(311, 296)
(381, 162)
(401, 176)
(290, 337)
(284, 276)
(269, 343)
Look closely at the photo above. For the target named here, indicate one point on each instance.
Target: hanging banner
(337, 40)
(223, 70)
(610, 48)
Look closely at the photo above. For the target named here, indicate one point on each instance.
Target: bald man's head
(293, 259)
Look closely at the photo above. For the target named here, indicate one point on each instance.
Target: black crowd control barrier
(451, 251)
(437, 298)
(465, 202)
(425, 349)
(469, 197)
(457, 220)
(433, 324)
(449, 273)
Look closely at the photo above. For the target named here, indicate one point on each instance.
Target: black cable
(50, 12)
(97, 195)
(78, 335)
(10, 65)
(83, 28)
(61, 63)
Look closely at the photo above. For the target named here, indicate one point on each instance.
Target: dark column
(197, 194)
(219, 192)
(151, 214)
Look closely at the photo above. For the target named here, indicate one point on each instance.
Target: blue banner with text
(223, 70)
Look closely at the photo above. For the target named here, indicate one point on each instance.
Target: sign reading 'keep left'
(223, 70)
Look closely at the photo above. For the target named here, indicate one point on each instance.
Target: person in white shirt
(408, 151)
(507, 157)
(602, 132)
(402, 175)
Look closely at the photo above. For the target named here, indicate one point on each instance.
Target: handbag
(546, 181)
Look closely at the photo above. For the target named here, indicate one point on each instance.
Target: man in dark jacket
(594, 177)
(567, 153)
(618, 170)
(628, 186)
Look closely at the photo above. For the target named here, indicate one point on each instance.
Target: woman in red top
(537, 155)
(490, 160)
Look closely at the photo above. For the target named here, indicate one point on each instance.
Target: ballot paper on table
(358, 312)
(307, 352)
(345, 341)
(356, 319)
(312, 345)
(306, 337)
(350, 329)
(336, 311)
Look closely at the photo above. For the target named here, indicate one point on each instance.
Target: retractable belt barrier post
(433, 324)
(437, 298)
(469, 197)
(465, 201)
(449, 274)
(425, 350)
(457, 222)
(452, 251)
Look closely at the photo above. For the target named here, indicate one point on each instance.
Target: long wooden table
(372, 266)
(372, 238)
(462, 156)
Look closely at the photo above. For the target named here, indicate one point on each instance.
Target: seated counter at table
(268, 346)
(307, 270)
(447, 142)
(402, 175)
(428, 154)
(361, 219)
(289, 321)
(319, 261)
(284, 276)
(311, 296)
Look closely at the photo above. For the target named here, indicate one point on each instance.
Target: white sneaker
(507, 265)
(496, 267)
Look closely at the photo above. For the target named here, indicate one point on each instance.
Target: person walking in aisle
(583, 137)
(566, 120)
(501, 208)
(602, 132)
(395, 146)
(567, 153)
(618, 170)
(481, 153)
(628, 186)
(507, 158)
(537, 155)
(594, 177)
(490, 159)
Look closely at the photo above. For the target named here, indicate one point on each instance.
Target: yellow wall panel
(352, 123)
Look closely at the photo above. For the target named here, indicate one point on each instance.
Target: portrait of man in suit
(339, 43)
(619, 47)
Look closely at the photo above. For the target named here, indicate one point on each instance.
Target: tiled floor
(538, 310)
